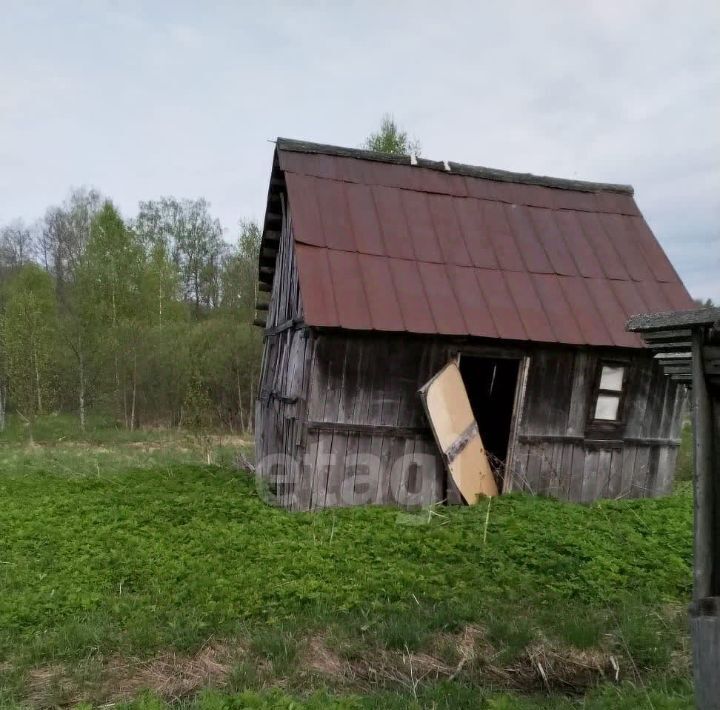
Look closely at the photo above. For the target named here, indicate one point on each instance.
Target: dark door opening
(490, 385)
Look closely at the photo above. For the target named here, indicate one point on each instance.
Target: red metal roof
(388, 246)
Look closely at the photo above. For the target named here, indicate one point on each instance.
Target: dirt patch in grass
(321, 659)
(466, 654)
(170, 675)
(541, 666)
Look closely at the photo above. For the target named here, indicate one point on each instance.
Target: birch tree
(29, 330)
(193, 238)
(109, 290)
(65, 233)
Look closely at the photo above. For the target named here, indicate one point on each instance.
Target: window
(609, 393)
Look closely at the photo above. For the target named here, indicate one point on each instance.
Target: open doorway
(491, 385)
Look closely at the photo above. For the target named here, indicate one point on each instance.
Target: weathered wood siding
(281, 405)
(556, 454)
(285, 300)
(364, 415)
(367, 440)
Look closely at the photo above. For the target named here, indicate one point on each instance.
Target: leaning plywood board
(456, 432)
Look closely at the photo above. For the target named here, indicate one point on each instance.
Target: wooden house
(381, 269)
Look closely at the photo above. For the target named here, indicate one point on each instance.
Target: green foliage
(160, 287)
(684, 465)
(277, 645)
(111, 270)
(204, 534)
(239, 269)
(443, 695)
(391, 139)
(186, 230)
(114, 546)
(139, 307)
(28, 337)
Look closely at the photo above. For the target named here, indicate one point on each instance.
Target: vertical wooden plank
(374, 464)
(590, 476)
(666, 415)
(308, 478)
(566, 472)
(577, 473)
(321, 471)
(517, 423)
(616, 472)
(667, 456)
(581, 384)
(638, 395)
(303, 409)
(517, 475)
(337, 473)
(318, 388)
(556, 470)
(651, 483)
(549, 392)
(546, 473)
(534, 465)
(603, 473)
(363, 490)
(352, 364)
(401, 377)
(679, 411)
(384, 469)
(360, 455)
(395, 474)
(433, 473)
(336, 353)
(628, 470)
(400, 482)
(640, 472)
(653, 412)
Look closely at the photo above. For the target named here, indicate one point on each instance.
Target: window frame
(597, 426)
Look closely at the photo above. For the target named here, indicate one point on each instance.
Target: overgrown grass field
(132, 572)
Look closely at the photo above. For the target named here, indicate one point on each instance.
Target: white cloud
(145, 99)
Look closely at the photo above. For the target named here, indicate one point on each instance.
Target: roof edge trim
(476, 171)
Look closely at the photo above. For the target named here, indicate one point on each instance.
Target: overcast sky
(143, 99)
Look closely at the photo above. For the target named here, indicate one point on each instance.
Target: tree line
(147, 319)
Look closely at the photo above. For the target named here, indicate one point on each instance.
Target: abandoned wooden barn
(381, 269)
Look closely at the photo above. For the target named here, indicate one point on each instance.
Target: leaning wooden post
(705, 607)
(702, 328)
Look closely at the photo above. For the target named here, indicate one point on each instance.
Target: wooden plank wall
(285, 300)
(367, 438)
(280, 410)
(347, 419)
(556, 456)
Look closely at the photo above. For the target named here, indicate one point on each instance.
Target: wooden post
(705, 609)
(702, 477)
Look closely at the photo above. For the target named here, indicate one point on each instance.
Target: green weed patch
(169, 557)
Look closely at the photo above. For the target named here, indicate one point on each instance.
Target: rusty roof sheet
(388, 246)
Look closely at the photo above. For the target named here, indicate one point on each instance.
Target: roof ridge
(297, 146)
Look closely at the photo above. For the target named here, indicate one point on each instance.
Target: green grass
(110, 549)
(446, 696)
(684, 466)
(104, 447)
